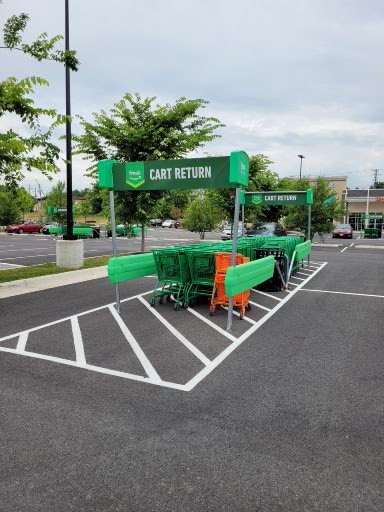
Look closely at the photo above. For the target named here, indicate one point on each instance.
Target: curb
(37, 284)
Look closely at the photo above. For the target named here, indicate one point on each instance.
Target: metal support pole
(309, 226)
(68, 134)
(233, 255)
(242, 219)
(366, 223)
(346, 217)
(114, 242)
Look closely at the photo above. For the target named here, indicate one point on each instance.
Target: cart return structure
(187, 273)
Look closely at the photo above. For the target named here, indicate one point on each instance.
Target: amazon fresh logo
(134, 174)
(257, 199)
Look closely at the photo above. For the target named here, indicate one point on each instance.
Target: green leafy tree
(42, 48)
(34, 150)
(138, 130)
(56, 199)
(325, 209)
(9, 211)
(201, 215)
(24, 200)
(173, 204)
(260, 178)
(84, 208)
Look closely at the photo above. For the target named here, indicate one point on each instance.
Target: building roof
(373, 192)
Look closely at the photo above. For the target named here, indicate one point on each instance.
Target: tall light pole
(301, 162)
(68, 133)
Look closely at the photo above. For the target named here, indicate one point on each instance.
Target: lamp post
(301, 162)
(68, 134)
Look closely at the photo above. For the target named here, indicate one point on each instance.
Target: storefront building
(365, 208)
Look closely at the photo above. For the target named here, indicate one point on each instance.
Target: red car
(343, 231)
(25, 227)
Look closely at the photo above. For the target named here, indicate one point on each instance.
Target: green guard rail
(303, 250)
(126, 268)
(248, 275)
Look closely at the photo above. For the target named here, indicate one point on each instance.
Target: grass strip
(46, 269)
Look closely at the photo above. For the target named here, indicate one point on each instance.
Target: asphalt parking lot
(29, 249)
(164, 410)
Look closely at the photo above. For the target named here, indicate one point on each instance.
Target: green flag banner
(192, 173)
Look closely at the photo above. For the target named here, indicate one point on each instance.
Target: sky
(286, 77)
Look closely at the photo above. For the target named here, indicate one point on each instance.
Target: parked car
(343, 231)
(156, 222)
(266, 229)
(226, 234)
(25, 227)
(295, 232)
(46, 227)
(168, 223)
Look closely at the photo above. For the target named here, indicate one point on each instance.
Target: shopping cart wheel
(176, 307)
(185, 305)
(212, 311)
(153, 303)
(161, 300)
(241, 314)
(248, 307)
(168, 298)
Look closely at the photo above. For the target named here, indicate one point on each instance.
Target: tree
(138, 130)
(324, 210)
(56, 199)
(34, 150)
(201, 215)
(9, 211)
(84, 207)
(24, 200)
(260, 178)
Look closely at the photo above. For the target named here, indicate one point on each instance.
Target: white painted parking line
(302, 273)
(78, 341)
(299, 278)
(259, 305)
(226, 352)
(195, 351)
(352, 244)
(147, 365)
(98, 369)
(32, 256)
(211, 324)
(343, 293)
(369, 246)
(12, 265)
(345, 248)
(153, 376)
(33, 249)
(22, 341)
(266, 294)
(236, 313)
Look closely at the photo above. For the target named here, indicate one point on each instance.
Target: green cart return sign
(279, 198)
(192, 173)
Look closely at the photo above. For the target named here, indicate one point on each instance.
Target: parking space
(157, 345)
(283, 413)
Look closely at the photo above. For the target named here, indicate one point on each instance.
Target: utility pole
(375, 174)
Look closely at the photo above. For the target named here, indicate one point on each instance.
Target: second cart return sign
(193, 173)
(279, 198)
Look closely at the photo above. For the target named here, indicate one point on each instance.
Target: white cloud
(286, 77)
